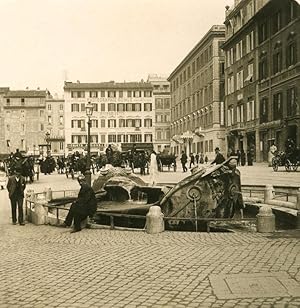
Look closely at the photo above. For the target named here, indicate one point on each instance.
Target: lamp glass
(89, 109)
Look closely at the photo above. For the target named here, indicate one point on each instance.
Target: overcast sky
(44, 42)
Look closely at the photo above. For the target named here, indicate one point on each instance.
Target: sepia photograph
(150, 154)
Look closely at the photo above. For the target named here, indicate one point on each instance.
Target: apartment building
(3, 145)
(197, 97)
(162, 99)
(54, 126)
(24, 119)
(123, 114)
(261, 74)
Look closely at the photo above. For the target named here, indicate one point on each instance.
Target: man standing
(84, 206)
(183, 160)
(16, 185)
(219, 159)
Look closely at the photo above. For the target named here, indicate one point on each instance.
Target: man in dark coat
(183, 160)
(84, 206)
(219, 159)
(16, 185)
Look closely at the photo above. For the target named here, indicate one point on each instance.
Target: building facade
(55, 126)
(3, 144)
(262, 75)
(197, 97)
(24, 120)
(162, 99)
(124, 114)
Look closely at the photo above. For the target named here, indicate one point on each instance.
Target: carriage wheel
(275, 164)
(288, 165)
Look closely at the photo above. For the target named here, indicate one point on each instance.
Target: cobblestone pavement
(45, 266)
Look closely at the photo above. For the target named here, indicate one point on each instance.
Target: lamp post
(48, 142)
(89, 112)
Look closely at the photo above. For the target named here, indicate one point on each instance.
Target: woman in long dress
(153, 169)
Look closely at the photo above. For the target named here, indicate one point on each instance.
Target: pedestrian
(243, 157)
(16, 185)
(206, 159)
(192, 160)
(153, 170)
(201, 158)
(238, 154)
(84, 206)
(109, 153)
(197, 158)
(219, 159)
(183, 160)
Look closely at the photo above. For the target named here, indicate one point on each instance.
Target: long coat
(86, 203)
(12, 185)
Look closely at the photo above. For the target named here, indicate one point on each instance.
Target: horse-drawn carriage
(75, 164)
(166, 160)
(137, 159)
(290, 160)
(24, 163)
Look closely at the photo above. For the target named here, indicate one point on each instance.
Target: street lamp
(48, 142)
(89, 112)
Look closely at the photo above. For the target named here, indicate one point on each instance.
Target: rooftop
(111, 85)
(27, 93)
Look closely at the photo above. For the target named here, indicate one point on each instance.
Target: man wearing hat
(219, 159)
(16, 185)
(84, 206)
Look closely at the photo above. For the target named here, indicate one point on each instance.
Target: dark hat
(217, 149)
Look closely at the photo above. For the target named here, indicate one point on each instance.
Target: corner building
(123, 114)
(197, 97)
(261, 75)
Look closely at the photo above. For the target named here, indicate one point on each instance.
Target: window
(41, 127)
(277, 106)
(277, 22)
(61, 120)
(147, 123)
(74, 107)
(277, 61)
(166, 103)
(240, 113)
(102, 93)
(122, 123)
(120, 94)
(230, 119)
(239, 50)
(112, 123)
(112, 138)
(22, 101)
(136, 94)
(250, 110)
(129, 94)
(262, 32)
(41, 113)
(230, 84)
(121, 107)
(158, 103)
(49, 107)
(137, 107)
(148, 138)
(250, 72)
(111, 93)
(95, 107)
(263, 113)
(102, 107)
(291, 101)
(102, 138)
(250, 42)
(82, 106)
(292, 11)
(8, 102)
(93, 94)
(94, 123)
(77, 94)
(129, 107)
(147, 93)
(49, 120)
(239, 79)
(211, 146)
(263, 68)
(111, 107)
(61, 107)
(102, 122)
(291, 54)
(148, 107)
